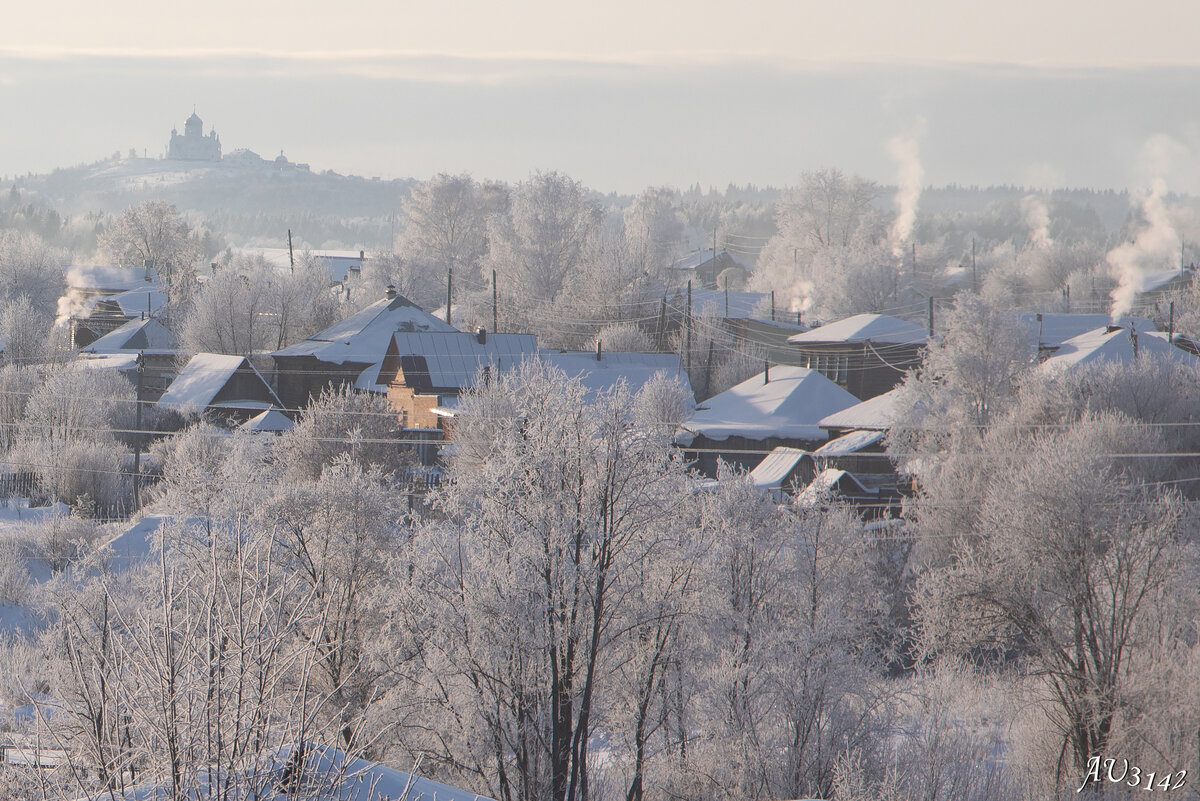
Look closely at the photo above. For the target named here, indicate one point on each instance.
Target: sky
(620, 94)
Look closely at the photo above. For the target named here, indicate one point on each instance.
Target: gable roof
(613, 366)
(363, 337)
(779, 464)
(448, 361)
(832, 481)
(876, 414)
(206, 374)
(865, 328)
(107, 278)
(1112, 344)
(789, 407)
(142, 335)
(853, 442)
(1056, 328)
(272, 420)
(134, 303)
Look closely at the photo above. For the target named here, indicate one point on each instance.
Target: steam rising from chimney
(910, 174)
(1037, 217)
(1154, 248)
(73, 302)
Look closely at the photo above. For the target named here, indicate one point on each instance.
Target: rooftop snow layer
(770, 472)
(1115, 345)
(451, 360)
(865, 328)
(790, 406)
(106, 277)
(1055, 329)
(148, 334)
(853, 442)
(876, 414)
(270, 420)
(147, 300)
(203, 377)
(634, 368)
(364, 337)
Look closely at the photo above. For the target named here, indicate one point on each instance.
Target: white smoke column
(801, 296)
(910, 174)
(1037, 217)
(1154, 247)
(73, 302)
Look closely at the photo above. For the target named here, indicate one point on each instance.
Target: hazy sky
(619, 94)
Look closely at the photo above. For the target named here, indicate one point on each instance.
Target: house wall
(864, 371)
(299, 379)
(413, 410)
(745, 454)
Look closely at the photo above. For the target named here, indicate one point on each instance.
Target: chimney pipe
(766, 372)
(391, 292)
(599, 347)
(481, 335)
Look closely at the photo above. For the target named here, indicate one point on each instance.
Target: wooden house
(779, 407)
(423, 370)
(350, 352)
(867, 354)
(229, 388)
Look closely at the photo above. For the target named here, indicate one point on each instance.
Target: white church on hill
(194, 145)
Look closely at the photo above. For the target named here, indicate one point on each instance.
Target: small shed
(227, 387)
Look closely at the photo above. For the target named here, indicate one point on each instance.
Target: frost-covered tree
(30, 267)
(545, 238)
(155, 231)
(1074, 556)
(557, 507)
(785, 680)
(248, 307)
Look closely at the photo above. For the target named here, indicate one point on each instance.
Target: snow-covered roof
(780, 462)
(1056, 328)
(853, 442)
(107, 277)
(142, 335)
(451, 360)
(271, 420)
(694, 260)
(875, 414)
(712, 302)
(634, 368)
(339, 262)
(865, 328)
(1150, 280)
(204, 377)
(106, 361)
(145, 300)
(1113, 344)
(830, 482)
(790, 406)
(364, 337)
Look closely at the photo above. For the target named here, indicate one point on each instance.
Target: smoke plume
(73, 302)
(910, 174)
(1154, 248)
(1037, 217)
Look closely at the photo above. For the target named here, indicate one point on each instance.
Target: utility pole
(495, 306)
(449, 292)
(291, 252)
(727, 297)
(137, 448)
(974, 274)
(1171, 324)
(662, 322)
(772, 305)
(689, 331)
(931, 315)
